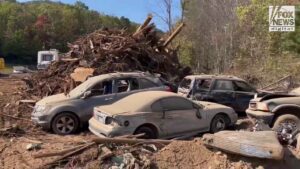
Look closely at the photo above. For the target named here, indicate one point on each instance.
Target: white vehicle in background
(46, 57)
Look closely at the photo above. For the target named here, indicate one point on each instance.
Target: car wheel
(65, 123)
(286, 125)
(149, 133)
(219, 122)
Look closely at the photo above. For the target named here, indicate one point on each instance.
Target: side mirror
(86, 94)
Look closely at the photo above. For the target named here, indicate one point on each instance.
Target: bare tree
(165, 13)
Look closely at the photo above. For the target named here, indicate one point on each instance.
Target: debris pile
(109, 51)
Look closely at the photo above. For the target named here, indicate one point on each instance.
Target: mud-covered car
(159, 114)
(64, 114)
(227, 90)
(280, 111)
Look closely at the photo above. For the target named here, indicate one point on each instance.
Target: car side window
(223, 85)
(176, 103)
(203, 84)
(157, 107)
(242, 87)
(145, 83)
(126, 85)
(186, 83)
(101, 88)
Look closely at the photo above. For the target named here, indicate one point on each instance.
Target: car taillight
(168, 89)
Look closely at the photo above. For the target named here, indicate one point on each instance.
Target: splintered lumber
(261, 144)
(108, 51)
(129, 141)
(146, 22)
(88, 145)
(81, 74)
(13, 117)
(173, 35)
(105, 153)
(62, 152)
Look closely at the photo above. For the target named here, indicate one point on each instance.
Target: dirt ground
(177, 155)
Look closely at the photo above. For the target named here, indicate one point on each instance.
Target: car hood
(285, 100)
(53, 99)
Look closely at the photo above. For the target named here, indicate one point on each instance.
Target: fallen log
(88, 145)
(129, 141)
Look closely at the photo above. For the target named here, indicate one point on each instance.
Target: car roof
(225, 77)
(142, 100)
(118, 74)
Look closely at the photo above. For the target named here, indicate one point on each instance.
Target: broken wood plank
(58, 153)
(260, 144)
(142, 26)
(27, 101)
(173, 35)
(106, 153)
(17, 118)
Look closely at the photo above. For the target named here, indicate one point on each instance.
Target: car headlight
(41, 108)
(262, 106)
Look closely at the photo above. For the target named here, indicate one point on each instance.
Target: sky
(135, 10)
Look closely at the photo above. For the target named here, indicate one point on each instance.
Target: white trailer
(46, 57)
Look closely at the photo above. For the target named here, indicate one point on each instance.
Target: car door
(223, 93)
(243, 94)
(180, 116)
(101, 94)
(201, 88)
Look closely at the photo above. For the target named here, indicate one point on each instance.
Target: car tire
(284, 120)
(149, 132)
(219, 122)
(65, 123)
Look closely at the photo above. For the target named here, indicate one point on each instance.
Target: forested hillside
(233, 37)
(26, 28)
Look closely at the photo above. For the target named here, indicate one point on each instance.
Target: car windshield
(295, 91)
(80, 89)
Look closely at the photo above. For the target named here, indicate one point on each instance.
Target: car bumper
(43, 121)
(103, 130)
(267, 117)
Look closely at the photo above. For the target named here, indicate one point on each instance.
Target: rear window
(145, 83)
(186, 83)
(223, 85)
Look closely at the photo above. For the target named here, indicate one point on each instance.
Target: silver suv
(65, 114)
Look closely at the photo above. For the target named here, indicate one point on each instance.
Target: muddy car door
(223, 93)
(100, 94)
(201, 89)
(181, 116)
(243, 94)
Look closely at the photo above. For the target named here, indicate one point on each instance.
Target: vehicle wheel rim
(287, 126)
(220, 125)
(65, 125)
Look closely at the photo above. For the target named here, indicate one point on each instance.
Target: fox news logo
(281, 18)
